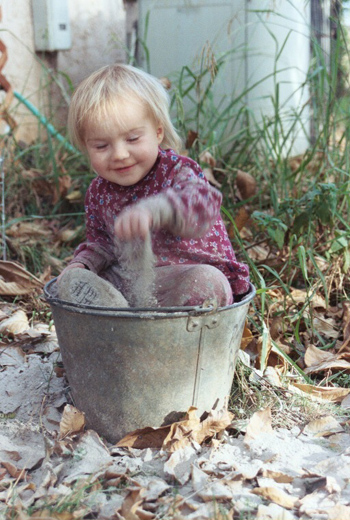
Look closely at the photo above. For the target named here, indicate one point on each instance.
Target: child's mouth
(124, 169)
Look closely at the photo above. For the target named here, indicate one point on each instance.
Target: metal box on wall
(51, 25)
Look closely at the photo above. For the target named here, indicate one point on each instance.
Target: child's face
(123, 148)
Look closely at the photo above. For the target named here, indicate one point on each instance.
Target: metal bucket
(132, 368)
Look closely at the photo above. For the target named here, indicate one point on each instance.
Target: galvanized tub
(132, 368)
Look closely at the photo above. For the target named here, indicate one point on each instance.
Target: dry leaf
(179, 464)
(46, 514)
(330, 393)
(209, 175)
(278, 476)
(72, 422)
(299, 296)
(28, 229)
(317, 360)
(260, 422)
(277, 496)
(145, 438)
(273, 512)
(190, 430)
(74, 196)
(15, 324)
(67, 235)
(247, 336)
(346, 402)
(16, 281)
(246, 184)
(322, 426)
(258, 253)
(165, 82)
(325, 326)
(315, 356)
(130, 505)
(19, 474)
(207, 157)
(346, 320)
(339, 512)
(272, 376)
(178, 434)
(192, 136)
(241, 218)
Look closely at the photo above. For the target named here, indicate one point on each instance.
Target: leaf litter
(217, 467)
(52, 467)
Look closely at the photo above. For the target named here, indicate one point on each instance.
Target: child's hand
(133, 223)
(71, 266)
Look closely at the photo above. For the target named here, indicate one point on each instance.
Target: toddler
(144, 194)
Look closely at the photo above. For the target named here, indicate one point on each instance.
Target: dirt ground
(49, 472)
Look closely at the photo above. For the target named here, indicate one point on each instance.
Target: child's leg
(190, 285)
(81, 286)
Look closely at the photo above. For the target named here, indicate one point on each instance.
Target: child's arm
(97, 252)
(189, 208)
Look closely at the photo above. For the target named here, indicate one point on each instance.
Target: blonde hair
(96, 94)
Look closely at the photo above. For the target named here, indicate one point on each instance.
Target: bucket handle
(210, 319)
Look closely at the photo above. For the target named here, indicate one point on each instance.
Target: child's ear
(160, 133)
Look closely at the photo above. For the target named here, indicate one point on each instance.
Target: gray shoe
(84, 287)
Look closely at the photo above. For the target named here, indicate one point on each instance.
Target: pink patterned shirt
(196, 204)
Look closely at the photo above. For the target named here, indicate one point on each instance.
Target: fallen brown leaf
(209, 175)
(179, 434)
(15, 324)
(299, 296)
(29, 229)
(192, 136)
(207, 158)
(191, 429)
(131, 503)
(334, 394)
(145, 438)
(346, 320)
(247, 336)
(74, 196)
(15, 280)
(241, 218)
(323, 426)
(277, 496)
(339, 512)
(46, 514)
(317, 360)
(19, 474)
(67, 235)
(72, 422)
(246, 184)
(165, 82)
(260, 422)
(278, 476)
(315, 356)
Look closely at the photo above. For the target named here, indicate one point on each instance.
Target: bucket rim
(154, 312)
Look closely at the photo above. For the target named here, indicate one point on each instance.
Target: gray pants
(174, 285)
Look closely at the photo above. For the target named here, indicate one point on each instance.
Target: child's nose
(120, 151)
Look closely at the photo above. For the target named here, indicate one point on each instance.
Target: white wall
(98, 38)
(22, 70)
(278, 57)
(178, 31)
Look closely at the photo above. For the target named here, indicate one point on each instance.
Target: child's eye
(101, 146)
(133, 139)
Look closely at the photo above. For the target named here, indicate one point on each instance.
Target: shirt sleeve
(189, 207)
(97, 252)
